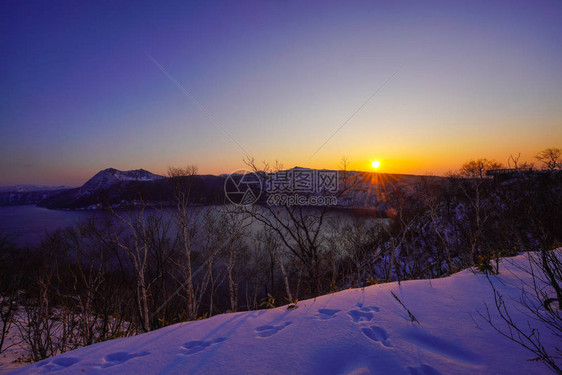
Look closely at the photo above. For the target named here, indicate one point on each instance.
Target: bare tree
(298, 227)
(541, 302)
(477, 169)
(8, 309)
(550, 157)
(235, 225)
(37, 326)
(186, 221)
(513, 162)
(9, 280)
(270, 241)
(46, 325)
(135, 242)
(213, 240)
(474, 188)
(84, 275)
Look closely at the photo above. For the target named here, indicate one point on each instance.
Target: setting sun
(375, 164)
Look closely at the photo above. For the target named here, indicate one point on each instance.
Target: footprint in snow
(118, 358)
(367, 308)
(363, 313)
(192, 347)
(266, 331)
(360, 316)
(57, 363)
(423, 370)
(324, 314)
(377, 334)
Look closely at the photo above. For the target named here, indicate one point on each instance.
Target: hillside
(356, 331)
(111, 187)
(28, 194)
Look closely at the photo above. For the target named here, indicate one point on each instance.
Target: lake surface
(27, 225)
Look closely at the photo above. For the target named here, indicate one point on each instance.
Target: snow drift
(356, 331)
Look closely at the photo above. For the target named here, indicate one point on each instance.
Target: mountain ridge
(111, 187)
(111, 176)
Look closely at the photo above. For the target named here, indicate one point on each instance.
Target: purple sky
(80, 93)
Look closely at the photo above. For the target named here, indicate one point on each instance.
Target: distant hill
(114, 188)
(111, 176)
(31, 188)
(27, 194)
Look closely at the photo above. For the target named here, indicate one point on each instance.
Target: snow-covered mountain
(115, 188)
(111, 176)
(364, 190)
(357, 331)
(108, 186)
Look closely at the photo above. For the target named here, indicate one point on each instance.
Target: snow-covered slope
(107, 186)
(358, 331)
(111, 176)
